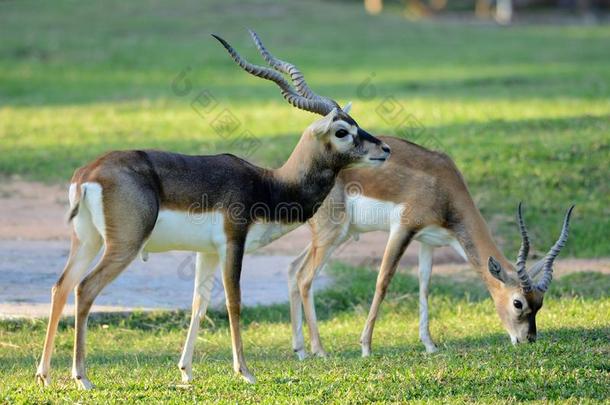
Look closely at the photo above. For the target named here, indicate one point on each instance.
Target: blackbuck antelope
(219, 206)
(417, 195)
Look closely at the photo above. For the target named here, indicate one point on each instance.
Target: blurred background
(502, 11)
(517, 92)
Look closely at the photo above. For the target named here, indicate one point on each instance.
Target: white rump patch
(95, 205)
(72, 195)
(89, 221)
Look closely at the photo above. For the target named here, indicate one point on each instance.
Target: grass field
(524, 111)
(135, 358)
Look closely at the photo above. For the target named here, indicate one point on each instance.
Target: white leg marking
(296, 309)
(386, 271)
(425, 270)
(315, 263)
(204, 282)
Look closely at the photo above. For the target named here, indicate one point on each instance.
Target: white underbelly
(204, 232)
(369, 214)
(180, 230)
(435, 236)
(263, 233)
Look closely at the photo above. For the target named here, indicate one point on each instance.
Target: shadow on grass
(353, 290)
(107, 90)
(58, 161)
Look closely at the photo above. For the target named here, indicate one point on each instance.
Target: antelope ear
(347, 108)
(321, 126)
(496, 270)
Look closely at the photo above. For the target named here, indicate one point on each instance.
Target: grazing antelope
(218, 206)
(417, 195)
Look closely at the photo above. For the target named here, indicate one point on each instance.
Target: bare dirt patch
(34, 246)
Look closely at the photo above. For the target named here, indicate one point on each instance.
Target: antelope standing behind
(145, 201)
(417, 195)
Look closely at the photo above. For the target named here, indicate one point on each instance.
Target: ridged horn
(288, 92)
(524, 278)
(547, 267)
(536, 269)
(298, 79)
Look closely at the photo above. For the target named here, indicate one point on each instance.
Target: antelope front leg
(397, 243)
(318, 254)
(296, 309)
(315, 260)
(310, 313)
(204, 283)
(231, 276)
(425, 270)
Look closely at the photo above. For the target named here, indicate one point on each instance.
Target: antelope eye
(518, 304)
(342, 133)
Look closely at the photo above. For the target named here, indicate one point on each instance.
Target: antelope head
(520, 297)
(337, 135)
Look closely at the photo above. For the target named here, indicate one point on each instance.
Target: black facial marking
(365, 136)
(345, 117)
(531, 331)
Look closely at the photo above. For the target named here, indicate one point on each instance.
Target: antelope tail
(75, 201)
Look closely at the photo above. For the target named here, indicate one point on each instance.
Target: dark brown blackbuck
(417, 195)
(221, 206)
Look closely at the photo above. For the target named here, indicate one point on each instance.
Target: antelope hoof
(44, 380)
(301, 354)
(83, 383)
(247, 376)
(320, 353)
(431, 349)
(187, 374)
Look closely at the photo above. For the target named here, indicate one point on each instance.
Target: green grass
(524, 111)
(134, 358)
